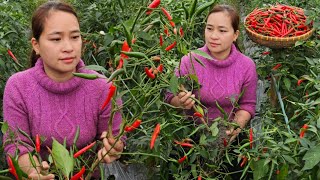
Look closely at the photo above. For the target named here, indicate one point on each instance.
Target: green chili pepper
(115, 74)
(192, 7)
(128, 34)
(76, 135)
(185, 11)
(86, 76)
(135, 54)
(203, 7)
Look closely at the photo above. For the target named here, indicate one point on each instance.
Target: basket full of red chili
(278, 26)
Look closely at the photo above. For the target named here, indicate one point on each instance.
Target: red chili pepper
(12, 169)
(278, 171)
(38, 143)
(79, 174)
(161, 40)
(184, 144)
(94, 45)
(225, 143)
(136, 123)
(181, 160)
(181, 32)
(276, 67)
(187, 145)
(83, 150)
(265, 53)
(300, 81)
(166, 31)
(166, 13)
(199, 177)
(125, 47)
(149, 74)
(244, 161)
(120, 65)
(303, 130)
(154, 4)
(12, 56)
(175, 31)
(154, 135)
(112, 91)
(172, 24)
(129, 128)
(197, 114)
(251, 137)
(160, 68)
(171, 46)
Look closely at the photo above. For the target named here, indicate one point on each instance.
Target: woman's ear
(35, 45)
(236, 35)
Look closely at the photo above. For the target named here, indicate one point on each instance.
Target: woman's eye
(55, 39)
(75, 37)
(209, 28)
(223, 31)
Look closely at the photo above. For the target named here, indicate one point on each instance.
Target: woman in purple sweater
(49, 101)
(226, 76)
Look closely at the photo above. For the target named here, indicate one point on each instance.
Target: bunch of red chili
(278, 21)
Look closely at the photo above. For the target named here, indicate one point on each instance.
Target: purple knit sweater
(38, 105)
(221, 80)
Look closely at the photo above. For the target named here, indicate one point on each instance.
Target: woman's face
(59, 45)
(219, 35)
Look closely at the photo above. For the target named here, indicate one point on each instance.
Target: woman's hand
(109, 153)
(233, 133)
(242, 117)
(44, 170)
(185, 100)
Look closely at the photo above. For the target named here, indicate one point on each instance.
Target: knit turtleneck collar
(222, 63)
(53, 86)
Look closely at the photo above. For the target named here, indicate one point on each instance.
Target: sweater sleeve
(105, 115)
(179, 71)
(15, 114)
(248, 100)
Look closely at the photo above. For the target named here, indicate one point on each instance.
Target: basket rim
(277, 38)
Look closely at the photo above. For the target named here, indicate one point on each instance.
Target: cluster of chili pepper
(154, 135)
(303, 130)
(151, 73)
(134, 126)
(126, 48)
(278, 21)
(83, 150)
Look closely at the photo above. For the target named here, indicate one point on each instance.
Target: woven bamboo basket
(276, 42)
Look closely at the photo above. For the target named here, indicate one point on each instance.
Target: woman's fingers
(185, 99)
(35, 175)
